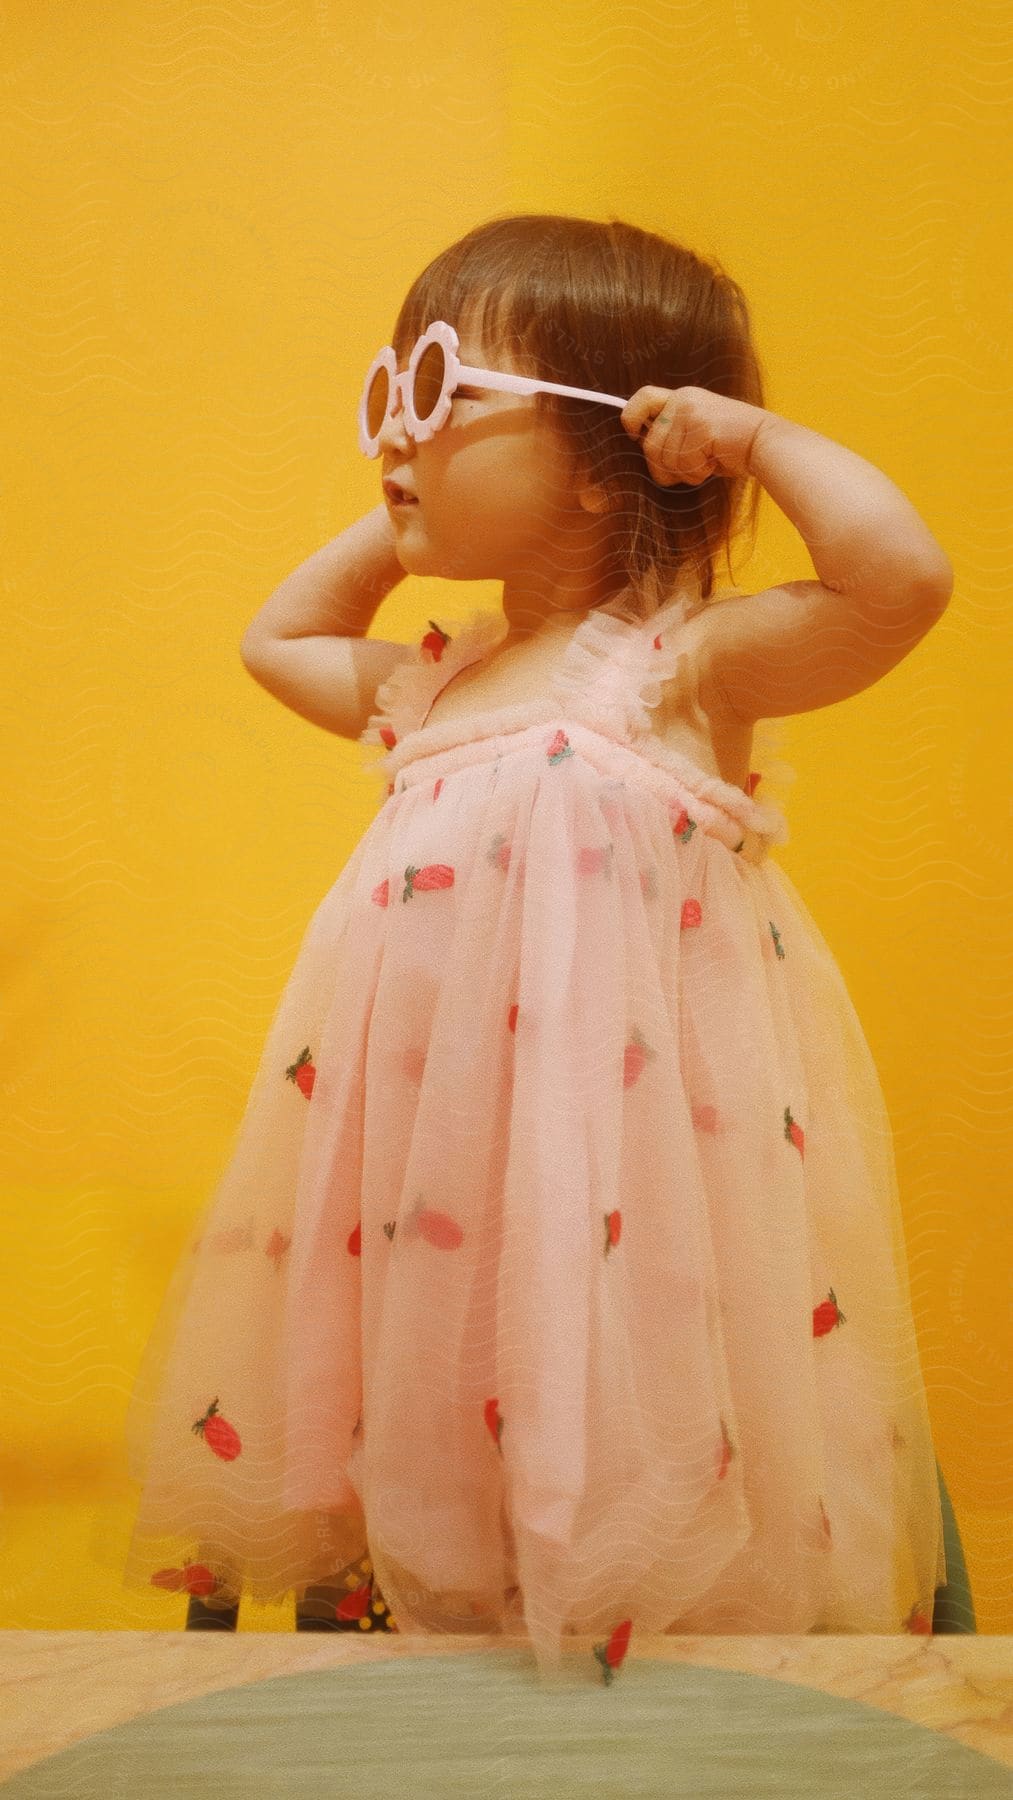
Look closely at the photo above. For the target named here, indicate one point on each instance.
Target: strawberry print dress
(558, 1267)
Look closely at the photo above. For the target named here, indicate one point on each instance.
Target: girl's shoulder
(634, 663)
(404, 699)
(615, 660)
(618, 670)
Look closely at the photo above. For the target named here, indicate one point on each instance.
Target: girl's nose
(393, 430)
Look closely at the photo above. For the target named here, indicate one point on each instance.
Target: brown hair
(605, 305)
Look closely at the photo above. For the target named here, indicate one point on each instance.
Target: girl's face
(497, 497)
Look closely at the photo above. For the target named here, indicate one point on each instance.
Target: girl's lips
(397, 495)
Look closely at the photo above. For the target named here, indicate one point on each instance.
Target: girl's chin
(417, 555)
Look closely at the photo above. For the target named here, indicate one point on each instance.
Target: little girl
(556, 1282)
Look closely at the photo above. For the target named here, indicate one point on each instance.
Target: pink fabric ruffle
(558, 1263)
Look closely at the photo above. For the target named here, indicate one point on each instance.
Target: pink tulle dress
(558, 1265)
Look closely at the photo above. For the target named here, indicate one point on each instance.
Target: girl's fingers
(659, 434)
(642, 409)
(665, 450)
(677, 447)
(662, 437)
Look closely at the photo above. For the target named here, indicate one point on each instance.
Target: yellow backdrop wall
(210, 218)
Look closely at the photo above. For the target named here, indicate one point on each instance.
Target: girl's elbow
(934, 581)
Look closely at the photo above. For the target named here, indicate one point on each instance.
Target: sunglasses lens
(430, 374)
(376, 401)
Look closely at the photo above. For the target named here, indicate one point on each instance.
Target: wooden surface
(61, 1687)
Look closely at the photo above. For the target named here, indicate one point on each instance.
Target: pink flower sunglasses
(427, 386)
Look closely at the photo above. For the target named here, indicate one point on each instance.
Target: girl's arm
(864, 536)
(883, 583)
(308, 646)
(337, 590)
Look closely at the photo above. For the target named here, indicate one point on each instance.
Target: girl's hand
(690, 433)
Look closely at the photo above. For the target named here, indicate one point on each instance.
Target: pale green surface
(477, 1723)
(953, 1610)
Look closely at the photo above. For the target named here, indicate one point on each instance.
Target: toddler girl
(556, 1282)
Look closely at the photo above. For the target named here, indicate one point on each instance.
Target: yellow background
(211, 214)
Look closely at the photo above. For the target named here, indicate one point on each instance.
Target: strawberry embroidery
(611, 1655)
(595, 860)
(431, 648)
(559, 747)
(302, 1072)
(494, 1422)
(436, 789)
(613, 1228)
(193, 1578)
(826, 1315)
(683, 827)
(435, 642)
(512, 1017)
(691, 914)
(793, 1131)
(276, 1246)
(436, 1227)
(499, 855)
(389, 1228)
(917, 1621)
(434, 875)
(218, 1434)
(354, 1245)
(635, 1055)
(381, 893)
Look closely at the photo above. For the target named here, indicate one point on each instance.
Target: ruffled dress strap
(615, 673)
(615, 668)
(404, 699)
(611, 676)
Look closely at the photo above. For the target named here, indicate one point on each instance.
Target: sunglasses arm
(524, 384)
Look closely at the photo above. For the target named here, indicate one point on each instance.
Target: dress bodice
(609, 679)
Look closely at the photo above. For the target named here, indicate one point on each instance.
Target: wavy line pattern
(210, 218)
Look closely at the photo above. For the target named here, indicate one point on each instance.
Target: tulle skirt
(557, 1264)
